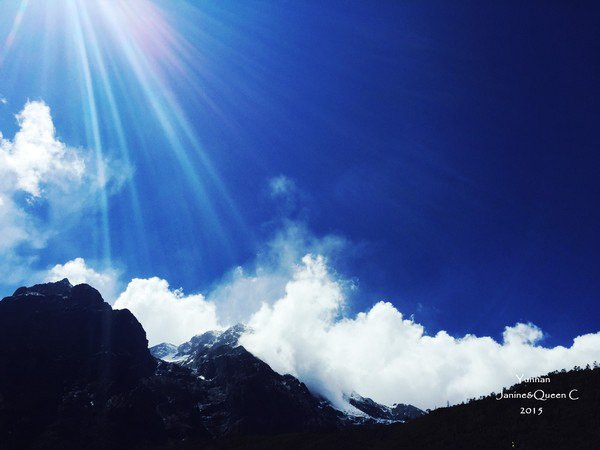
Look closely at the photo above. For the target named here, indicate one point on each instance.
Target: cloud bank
(382, 355)
(296, 308)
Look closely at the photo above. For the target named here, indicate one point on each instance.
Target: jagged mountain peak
(81, 295)
(382, 413)
(201, 352)
(181, 353)
(79, 371)
(65, 355)
(61, 288)
(163, 350)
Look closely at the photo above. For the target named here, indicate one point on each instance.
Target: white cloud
(3, 101)
(78, 272)
(382, 355)
(167, 315)
(242, 292)
(296, 307)
(35, 156)
(522, 334)
(45, 187)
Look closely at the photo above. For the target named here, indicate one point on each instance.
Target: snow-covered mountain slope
(371, 410)
(164, 351)
(185, 352)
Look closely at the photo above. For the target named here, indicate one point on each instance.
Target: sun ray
(92, 126)
(12, 34)
(126, 58)
(115, 117)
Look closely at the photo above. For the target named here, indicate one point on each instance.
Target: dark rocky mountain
(486, 423)
(382, 413)
(185, 353)
(77, 374)
(244, 394)
(203, 351)
(163, 351)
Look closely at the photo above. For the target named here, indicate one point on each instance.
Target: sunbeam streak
(10, 39)
(126, 57)
(117, 124)
(92, 124)
(163, 103)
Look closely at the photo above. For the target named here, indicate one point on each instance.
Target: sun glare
(140, 39)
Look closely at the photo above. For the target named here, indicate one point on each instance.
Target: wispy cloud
(281, 186)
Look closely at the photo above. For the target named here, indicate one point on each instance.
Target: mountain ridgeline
(217, 358)
(77, 374)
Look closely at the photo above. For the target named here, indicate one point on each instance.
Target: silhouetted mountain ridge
(486, 423)
(202, 351)
(77, 374)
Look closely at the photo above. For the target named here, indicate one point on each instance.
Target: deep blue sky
(456, 145)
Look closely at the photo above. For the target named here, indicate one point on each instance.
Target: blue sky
(451, 149)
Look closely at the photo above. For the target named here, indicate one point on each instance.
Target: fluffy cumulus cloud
(35, 156)
(167, 315)
(45, 186)
(381, 354)
(24, 161)
(242, 291)
(77, 271)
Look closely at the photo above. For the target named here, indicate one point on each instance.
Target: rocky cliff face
(68, 363)
(245, 394)
(217, 358)
(76, 374)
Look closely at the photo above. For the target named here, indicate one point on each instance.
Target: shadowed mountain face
(245, 394)
(69, 362)
(217, 358)
(384, 414)
(76, 374)
(487, 423)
